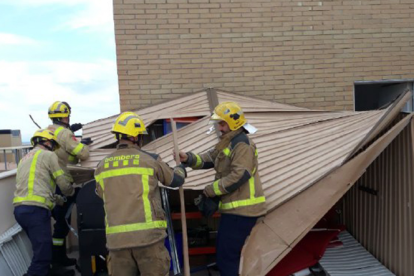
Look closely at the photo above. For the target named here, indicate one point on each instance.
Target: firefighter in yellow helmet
(37, 175)
(127, 181)
(70, 151)
(237, 190)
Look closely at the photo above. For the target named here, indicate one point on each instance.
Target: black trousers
(35, 221)
(61, 228)
(232, 233)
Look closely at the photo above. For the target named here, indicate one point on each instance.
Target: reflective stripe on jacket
(237, 180)
(70, 148)
(127, 180)
(37, 175)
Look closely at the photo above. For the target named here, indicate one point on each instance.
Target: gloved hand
(182, 166)
(60, 200)
(207, 206)
(75, 127)
(86, 141)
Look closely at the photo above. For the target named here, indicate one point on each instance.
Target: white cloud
(96, 15)
(89, 15)
(41, 2)
(31, 87)
(13, 39)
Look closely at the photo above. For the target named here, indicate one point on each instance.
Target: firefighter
(237, 187)
(37, 175)
(70, 151)
(127, 181)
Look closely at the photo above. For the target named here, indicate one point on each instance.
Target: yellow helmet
(59, 110)
(129, 123)
(43, 135)
(231, 113)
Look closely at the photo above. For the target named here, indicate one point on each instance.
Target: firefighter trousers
(232, 233)
(152, 260)
(35, 221)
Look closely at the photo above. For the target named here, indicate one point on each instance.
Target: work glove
(86, 141)
(182, 167)
(59, 200)
(75, 127)
(207, 206)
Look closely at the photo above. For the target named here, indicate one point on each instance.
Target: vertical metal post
(182, 204)
(170, 231)
(5, 159)
(16, 153)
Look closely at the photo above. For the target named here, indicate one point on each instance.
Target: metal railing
(18, 152)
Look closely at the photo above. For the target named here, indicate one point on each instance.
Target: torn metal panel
(193, 105)
(290, 222)
(291, 156)
(250, 104)
(390, 114)
(378, 209)
(188, 106)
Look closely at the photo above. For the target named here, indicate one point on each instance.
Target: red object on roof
(307, 252)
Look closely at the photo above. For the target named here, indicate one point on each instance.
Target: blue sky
(56, 50)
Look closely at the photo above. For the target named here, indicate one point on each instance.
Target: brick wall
(305, 53)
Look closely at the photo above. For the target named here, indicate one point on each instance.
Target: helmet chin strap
(139, 141)
(59, 122)
(43, 143)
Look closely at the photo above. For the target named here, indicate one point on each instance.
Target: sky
(56, 50)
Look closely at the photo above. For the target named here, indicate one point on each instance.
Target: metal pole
(5, 160)
(181, 192)
(170, 228)
(170, 231)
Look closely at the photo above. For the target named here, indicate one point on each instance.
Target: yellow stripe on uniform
(78, 148)
(30, 185)
(59, 129)
(198, 161)
(58, 242)
(217, 188)
(135, 227)
(125, 171)
(147, 204)
(149, 223)
(244, 202)
(227, 151)
(58, 173)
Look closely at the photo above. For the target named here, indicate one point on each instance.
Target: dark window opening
(377, 95)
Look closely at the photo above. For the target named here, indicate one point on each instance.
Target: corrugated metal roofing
(281, 229)
(297, 149)
(193, 105)
(351, 260)
(378, 209)
(250, 104)
(189, 106)
(294, 149)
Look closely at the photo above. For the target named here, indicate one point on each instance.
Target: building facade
(304, 53)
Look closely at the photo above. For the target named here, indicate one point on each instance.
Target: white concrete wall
(7, 187)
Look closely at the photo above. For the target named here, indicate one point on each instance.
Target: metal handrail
(18, 151)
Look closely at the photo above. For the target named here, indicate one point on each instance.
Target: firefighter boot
(59, 257)
(61, 271)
